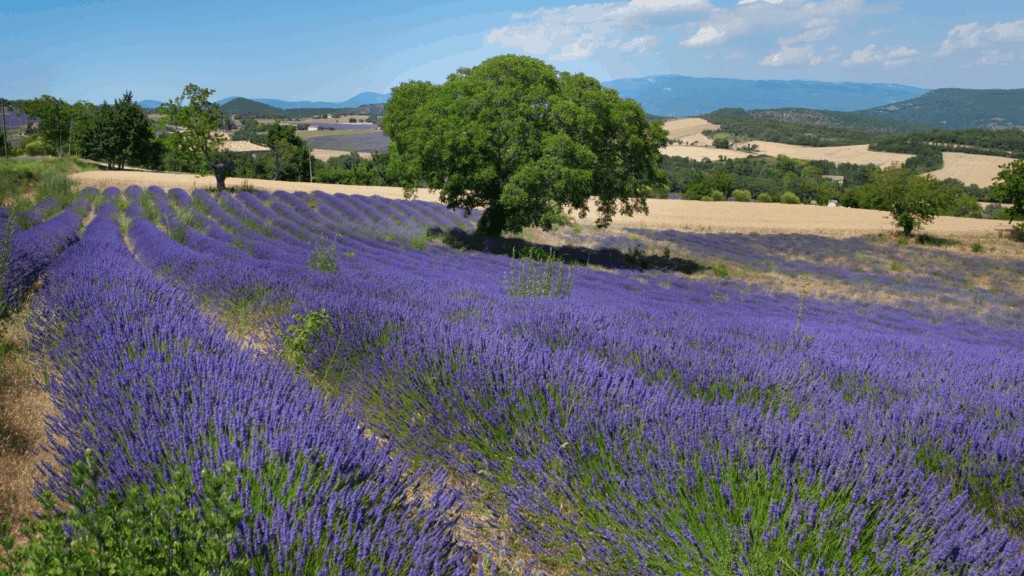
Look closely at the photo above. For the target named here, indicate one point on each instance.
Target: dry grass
(702, 152)
(24, 407)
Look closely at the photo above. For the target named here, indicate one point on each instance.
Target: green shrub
(720, 270)
(179, 527)
(717, 196)
(705, 198)
(765, 197)
(295, 345)
(977, 247)
(790, 198)
(742, 195)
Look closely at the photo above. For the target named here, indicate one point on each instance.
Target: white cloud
(974, 35)
(577, 31)
(580, 30)
(803, 55)
(995, 58)
(640, 44)
(889, 58)
(704, 36)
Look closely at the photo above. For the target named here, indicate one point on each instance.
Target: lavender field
(382, 402)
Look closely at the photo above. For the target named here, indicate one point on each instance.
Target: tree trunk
(221, 168)
(492, 222)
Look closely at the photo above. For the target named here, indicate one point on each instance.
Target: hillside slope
(958, 108)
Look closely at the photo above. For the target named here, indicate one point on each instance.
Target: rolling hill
(958, 108)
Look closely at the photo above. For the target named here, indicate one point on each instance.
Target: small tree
(524, 142)
(912, 200)
(1009, 186)
(190, 122)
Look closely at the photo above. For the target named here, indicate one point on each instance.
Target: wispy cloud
(577, 31)
(889, 58)
(799, 55)
(974, 35)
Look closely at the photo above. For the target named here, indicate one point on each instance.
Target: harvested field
(858, 154)
(325, 155)
(701, 152)
(664, 214)
(690, 130)
(970, 168)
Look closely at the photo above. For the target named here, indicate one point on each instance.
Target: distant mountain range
(674, 96)
(361, 99)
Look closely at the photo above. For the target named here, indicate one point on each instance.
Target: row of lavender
(25, 254)
(145, 383)
(639, 426)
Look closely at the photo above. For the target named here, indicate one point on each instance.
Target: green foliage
(356, 170)
(296, 345)
(524, 142)
(765, 197)
(741, 195)
(56, 121)
(977, 248)
(717, 196)
(181, 527)
(911, 200)
(538, 275)
(1009, 188)
(323, 256)
(720, 270)
(121, 134)
(789, 198)
(190, 123)
(720, 142)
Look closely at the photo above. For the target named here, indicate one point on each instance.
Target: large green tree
(190, 123)
(289, 155)
(1009, 187)
(56, 121)
(524, 142)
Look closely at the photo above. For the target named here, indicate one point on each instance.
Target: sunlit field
(372, 389)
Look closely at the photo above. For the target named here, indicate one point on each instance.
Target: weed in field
(538, 277)
(720, 270)
(323, 257)
(296, 344)
(977, 247)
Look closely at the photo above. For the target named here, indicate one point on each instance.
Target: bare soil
(24, 407)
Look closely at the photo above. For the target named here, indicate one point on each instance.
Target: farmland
(385, 395)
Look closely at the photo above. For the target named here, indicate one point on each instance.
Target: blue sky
(332, 50)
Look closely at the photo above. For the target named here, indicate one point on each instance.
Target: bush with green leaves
(790, 198)
(765, 198)
(742, 195)
(717, 196)
(296, 344)
(182, 527)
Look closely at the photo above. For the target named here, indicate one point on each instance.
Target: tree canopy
(524, 142)
(1009, 185)
(911, 200)
(190, 123)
